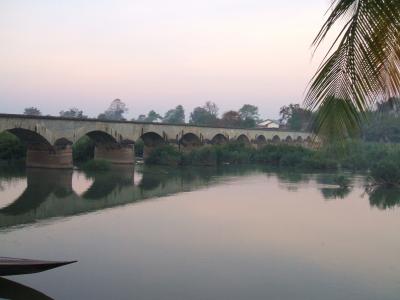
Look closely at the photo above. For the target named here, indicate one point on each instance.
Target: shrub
(164, 155)
(139, 146)
(83, 149)
(204, 156)
(11, 148)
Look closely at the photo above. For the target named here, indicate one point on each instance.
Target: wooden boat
(15, 291)
(17, 266)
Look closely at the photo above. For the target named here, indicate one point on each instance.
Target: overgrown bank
(383, 160)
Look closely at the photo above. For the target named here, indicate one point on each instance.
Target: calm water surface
(203, 233)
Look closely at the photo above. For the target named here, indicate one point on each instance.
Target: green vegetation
(11, 147)
(139, 147)
(164, 155)
(238, 153)
(361, 65)
(96, 165)
(382, 160)
(83, 149)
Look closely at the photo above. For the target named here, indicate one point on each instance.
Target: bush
(139, 146)
(11, 148)
(204, 156)
(83, 149)
(96, 165)
(164, 155)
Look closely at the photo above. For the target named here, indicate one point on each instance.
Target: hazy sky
(156, 54)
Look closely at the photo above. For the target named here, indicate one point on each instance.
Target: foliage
(336, 120)
(11, 148)
(83, 149)
(203, 156)
(115, 111)
(364, 63)
(201, 116)
(96, 165)
(164, 155)
(231, 119)
(139, 147)
(295, 117)
(151, 117)
(175, 116)
(249, 115)
(73, 113)
(32, 111)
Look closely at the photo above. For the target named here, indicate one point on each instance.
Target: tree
(115, 111)
(141, 118)
(211, 108)
(231, 119)
(32, 111)
(73, 113)
(363, 64)
(249, 115)
(176, 116)
(152, 116)
(249, 111)
(205, 115)
(295, 117)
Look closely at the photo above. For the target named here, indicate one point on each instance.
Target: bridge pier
(49, 158)
(116, 153)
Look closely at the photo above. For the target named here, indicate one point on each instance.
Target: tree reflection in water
(383, 197)
(49, 193)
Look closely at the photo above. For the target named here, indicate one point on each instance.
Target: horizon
(155, 56)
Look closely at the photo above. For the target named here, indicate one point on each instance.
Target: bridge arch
(243, 139)
(31, 138)
(101, 137)
(261, 140)
(275, 139)
(190, 140)
(152, 139)
(219, 139)
(289, 139)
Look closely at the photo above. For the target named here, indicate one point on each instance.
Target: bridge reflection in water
(50, 193)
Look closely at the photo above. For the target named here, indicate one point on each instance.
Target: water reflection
(384, 197)
(15, 291)
(50, 193)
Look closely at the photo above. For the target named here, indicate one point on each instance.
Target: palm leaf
(363, 64)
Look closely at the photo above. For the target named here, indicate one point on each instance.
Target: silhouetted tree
(115, 111)
(231, 119)
(32, 111)
(176, 115)
(73, 113)
(295, 117)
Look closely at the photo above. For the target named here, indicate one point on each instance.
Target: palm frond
(365, 63)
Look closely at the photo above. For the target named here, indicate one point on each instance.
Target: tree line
(208, 114)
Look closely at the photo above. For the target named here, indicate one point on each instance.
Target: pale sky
(156, 54)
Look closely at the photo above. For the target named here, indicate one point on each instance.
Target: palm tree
(362, 66)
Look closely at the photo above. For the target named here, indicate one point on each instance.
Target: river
(199, 233)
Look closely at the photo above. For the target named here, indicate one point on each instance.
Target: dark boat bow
(16, 266)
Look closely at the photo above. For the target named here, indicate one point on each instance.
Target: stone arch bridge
(49, 139)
